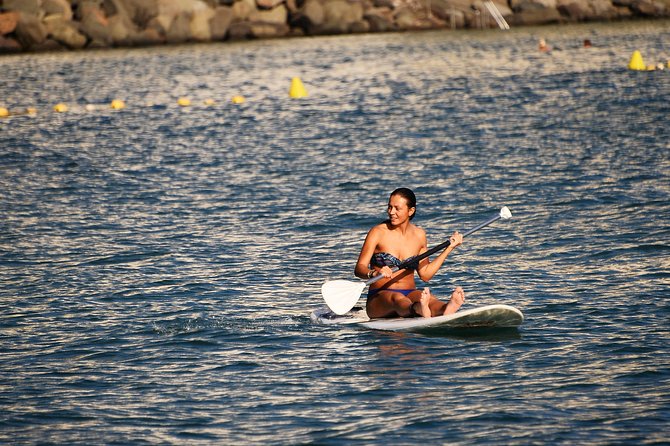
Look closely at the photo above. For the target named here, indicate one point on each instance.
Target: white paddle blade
(341, 295)
(505, 213)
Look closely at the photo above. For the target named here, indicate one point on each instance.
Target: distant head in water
(543, 47)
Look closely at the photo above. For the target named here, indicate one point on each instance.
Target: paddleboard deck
(490, 316)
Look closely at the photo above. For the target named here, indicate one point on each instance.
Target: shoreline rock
(47, 25)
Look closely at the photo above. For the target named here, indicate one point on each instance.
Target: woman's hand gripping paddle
(342, 295)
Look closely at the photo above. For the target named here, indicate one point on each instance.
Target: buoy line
(296, 90)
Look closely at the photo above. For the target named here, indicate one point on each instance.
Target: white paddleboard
(490, 316)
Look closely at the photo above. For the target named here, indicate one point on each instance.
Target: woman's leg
(421, 300)
(439, 308)
(417, 303)
(392, 304)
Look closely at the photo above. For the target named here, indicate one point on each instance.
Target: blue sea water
(158, 264)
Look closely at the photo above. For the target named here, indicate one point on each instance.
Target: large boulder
(391, 4)
(277, 16)
(574, 10)
(219, 24)
(268, 4)
(536, 17)
(534, 12)
(8, 22)
(578, 10)
(94, 23)
(310, 17)
(483, 17)
(268, 30)
(622, 12)
(360, 26)
(242, 9)
(450, 12)
(30, 7)
(176, 7)
(83, 8)
(173, 18)
(49, 45)
(180, 28)
(148, 36)
(603, 10)
(239, 30)
(503, 7)
(119, 32)
(30, 31)
(200, 29)
(64, 32)
(292, 6)
(57, 7)
(380, 19)
(9, 45)
(532, 5)
(407, 18)
(647, 8)
(340, 15)
(161, 23)
(141, 12)
(404, 18)
(106, 22)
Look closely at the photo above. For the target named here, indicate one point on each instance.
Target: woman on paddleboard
(390, 243)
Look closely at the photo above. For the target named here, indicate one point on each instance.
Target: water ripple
(157, 265)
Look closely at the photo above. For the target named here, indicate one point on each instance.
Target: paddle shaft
(407, 263)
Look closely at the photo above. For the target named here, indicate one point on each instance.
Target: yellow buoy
(118, 104)
(238, 99)
(184, 102)
(4, 112)
(297, 89)
(636, 62)
(31, 111)
(209, 102)
(60, 108)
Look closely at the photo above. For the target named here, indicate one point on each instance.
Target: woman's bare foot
(424, 300)
(457, 299)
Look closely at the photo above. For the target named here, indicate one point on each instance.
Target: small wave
(125, 258)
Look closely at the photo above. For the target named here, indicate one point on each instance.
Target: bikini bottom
(373, 291)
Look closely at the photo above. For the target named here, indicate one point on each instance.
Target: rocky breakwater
(42, 25)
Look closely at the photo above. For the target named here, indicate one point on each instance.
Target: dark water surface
(158, 264)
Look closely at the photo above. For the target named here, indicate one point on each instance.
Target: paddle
(342, 295)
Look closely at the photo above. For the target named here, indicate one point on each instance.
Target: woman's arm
(427, 269)
(362, 269)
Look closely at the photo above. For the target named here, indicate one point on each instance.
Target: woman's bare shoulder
(419, 232)
(378, 230)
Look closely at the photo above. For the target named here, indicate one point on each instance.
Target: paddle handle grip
(415, 260)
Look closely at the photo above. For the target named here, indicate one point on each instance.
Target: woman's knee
(399, 299)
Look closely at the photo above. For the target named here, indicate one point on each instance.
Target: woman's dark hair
(409, 197)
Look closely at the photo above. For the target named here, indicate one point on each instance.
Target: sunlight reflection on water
(159, 263)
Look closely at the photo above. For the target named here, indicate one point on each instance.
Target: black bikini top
(380, 259)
